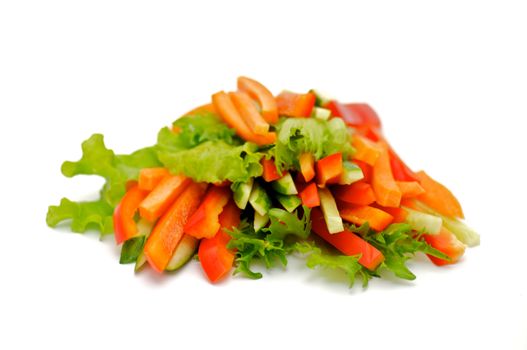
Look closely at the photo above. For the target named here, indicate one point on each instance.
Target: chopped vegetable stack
(253, 177)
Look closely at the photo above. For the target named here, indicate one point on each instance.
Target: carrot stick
(438, 197)
(150, 177)
(249, 113)
(162, 196)
(386, 190)
(365, 150)
(410, 189)
(231, 116)
(360, 214)
(264, 97)
(307, 166)
(167, 233)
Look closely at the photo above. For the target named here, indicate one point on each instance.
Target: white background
(449, 80)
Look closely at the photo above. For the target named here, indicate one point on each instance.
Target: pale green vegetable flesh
(290, 203)
(242, 193)
(330, 211)
(184, 252)
(260, 221)
(285, 185)
(422, 222)
(260, 200)
(351, 173)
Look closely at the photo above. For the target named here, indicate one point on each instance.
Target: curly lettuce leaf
(215, 161)
(319, 137)
(117, 170)
(194, 130)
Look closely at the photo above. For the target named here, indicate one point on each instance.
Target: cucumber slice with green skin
(290, 203)
(285, 185)
(184, 252)
(321, 113)
(421, 222)
(320, 98)
(260, 221)
(260, 200)
(330, 211)
(242, 193)
(144, 228)
(350, 173)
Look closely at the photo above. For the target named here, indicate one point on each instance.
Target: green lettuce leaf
(195, 129)
(215, 161)
(117, 170)
(319, 137)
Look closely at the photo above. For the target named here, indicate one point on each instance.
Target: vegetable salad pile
(252, 177)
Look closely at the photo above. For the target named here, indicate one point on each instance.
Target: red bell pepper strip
(347, 242)
(387, 192)
(329, 169)
(204, 223)
(400, 171)
(366, 171)
(124, 225)
(263, 96)
(309, 196)
(270, 173)
(438, 197)
(359, 193)
(360, 214)
(295, 105)
(162, 196)
(214, 257)
(149, 178)
(307, 166)
(355, 114)
(168, 231)
(447, 243)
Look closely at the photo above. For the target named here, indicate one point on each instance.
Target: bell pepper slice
(447, 243)
(347, 242)
(329, 169)
(307, 166)
(204, 223)
(162, 196)
(359, 193)
(169, 230)
(410, 189)
(263, 96)
(215, 259)
(309, 196)
(355, 114)
(124, 225)
(365, 150)
(295, 105)
(270, 173)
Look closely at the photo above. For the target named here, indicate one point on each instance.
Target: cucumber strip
(421, 222)
(184, 252)
(285, 185)
(350, 173)
(242, 192)
(290, 203)
(330, 211)
(260, 200)
(260, 221)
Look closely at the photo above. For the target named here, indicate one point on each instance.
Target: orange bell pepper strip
(360, 214)
(249, 113)
(162, 196)
(149, 178)
(365, 150)
(410, 189)
(124, 225)
(209, 107)
(270, 173)
(399, 214)
(438, 197)
(387, 193)
(359, 193)
(204, 223)
(329, 169)
(309, 196)
(215, 259)
(295, 105)
(307, 166)
(347, 242)
(168, 231)
(446, 242)
(230, 115)
(263, 96)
